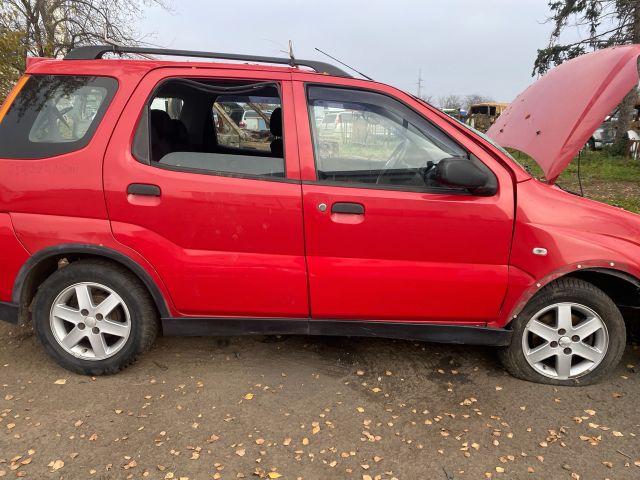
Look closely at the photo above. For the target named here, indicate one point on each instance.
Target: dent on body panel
(12, 257)
(37, 232)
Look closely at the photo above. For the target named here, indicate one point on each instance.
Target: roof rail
(94, 52)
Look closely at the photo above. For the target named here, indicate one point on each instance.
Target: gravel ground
(309, 408)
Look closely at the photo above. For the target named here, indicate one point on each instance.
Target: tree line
(51, 28)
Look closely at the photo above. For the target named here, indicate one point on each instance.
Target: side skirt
(427, 332)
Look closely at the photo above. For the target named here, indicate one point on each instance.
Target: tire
(70, 335)
(589, 308)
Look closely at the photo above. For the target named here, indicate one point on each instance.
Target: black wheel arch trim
(93, 250)
(540, 284)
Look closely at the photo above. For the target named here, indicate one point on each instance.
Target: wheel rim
(565, 340)
(90, 321)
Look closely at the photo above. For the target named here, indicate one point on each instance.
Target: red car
(127, 210)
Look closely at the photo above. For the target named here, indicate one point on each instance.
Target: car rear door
(225, 241)
(385, 246)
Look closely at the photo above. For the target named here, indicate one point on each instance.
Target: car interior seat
(275, 126)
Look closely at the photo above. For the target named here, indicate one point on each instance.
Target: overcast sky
(463, 46)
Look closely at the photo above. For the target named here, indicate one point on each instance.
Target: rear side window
(54, 114)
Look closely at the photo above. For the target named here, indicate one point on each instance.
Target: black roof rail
(95, 52)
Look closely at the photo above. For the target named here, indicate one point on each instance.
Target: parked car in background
(252, 120)
(121, 217)
(336, 121)
(604, 135)
(452, 112)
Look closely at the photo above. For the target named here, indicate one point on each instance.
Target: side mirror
(462, 172)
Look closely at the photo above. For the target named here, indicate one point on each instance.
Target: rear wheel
(94, 317)
(570, 333)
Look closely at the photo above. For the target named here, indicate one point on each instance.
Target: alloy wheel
(90, 321)
(565, 341)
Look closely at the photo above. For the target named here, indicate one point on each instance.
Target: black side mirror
(462, 172)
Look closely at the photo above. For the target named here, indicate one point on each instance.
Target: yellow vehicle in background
(482, 115)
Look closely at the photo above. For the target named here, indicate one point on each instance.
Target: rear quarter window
(54, 114)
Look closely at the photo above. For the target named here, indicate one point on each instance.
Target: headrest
(275, 123)
(180, 132)
(161, 122)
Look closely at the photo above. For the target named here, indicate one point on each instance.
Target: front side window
(362, 137)
(214, 127)
(54, 114)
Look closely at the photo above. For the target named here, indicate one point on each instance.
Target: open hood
(553, 119)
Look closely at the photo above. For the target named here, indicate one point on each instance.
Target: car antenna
(342, 63)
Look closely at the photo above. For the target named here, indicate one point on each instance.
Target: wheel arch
(44, 262)
(622, 287)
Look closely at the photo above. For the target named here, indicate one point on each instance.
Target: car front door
(385, 240)
(213, 207)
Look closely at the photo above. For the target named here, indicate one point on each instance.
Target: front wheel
(94, 317)
(570, 333)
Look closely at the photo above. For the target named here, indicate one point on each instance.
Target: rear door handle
(348, 207)
(146, 189)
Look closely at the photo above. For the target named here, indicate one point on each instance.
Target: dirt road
(310, 408)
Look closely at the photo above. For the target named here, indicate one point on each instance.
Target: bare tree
(474, 98)
(450, 101)
(427, 98)
(50, 28)
(608, 23)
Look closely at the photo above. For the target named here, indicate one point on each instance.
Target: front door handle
(145, 189)
(348, 207)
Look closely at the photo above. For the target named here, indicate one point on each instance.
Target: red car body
(268, 252)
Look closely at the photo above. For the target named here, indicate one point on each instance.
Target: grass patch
(605, 178)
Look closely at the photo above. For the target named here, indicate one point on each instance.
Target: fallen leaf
(248, 396)
(273, 475)
(56, 465)
(240, 452)
(618, 434)
(60, 381)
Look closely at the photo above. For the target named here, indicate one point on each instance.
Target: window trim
(146, 131)
(370, 186)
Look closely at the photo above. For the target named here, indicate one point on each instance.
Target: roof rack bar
(95, 52)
